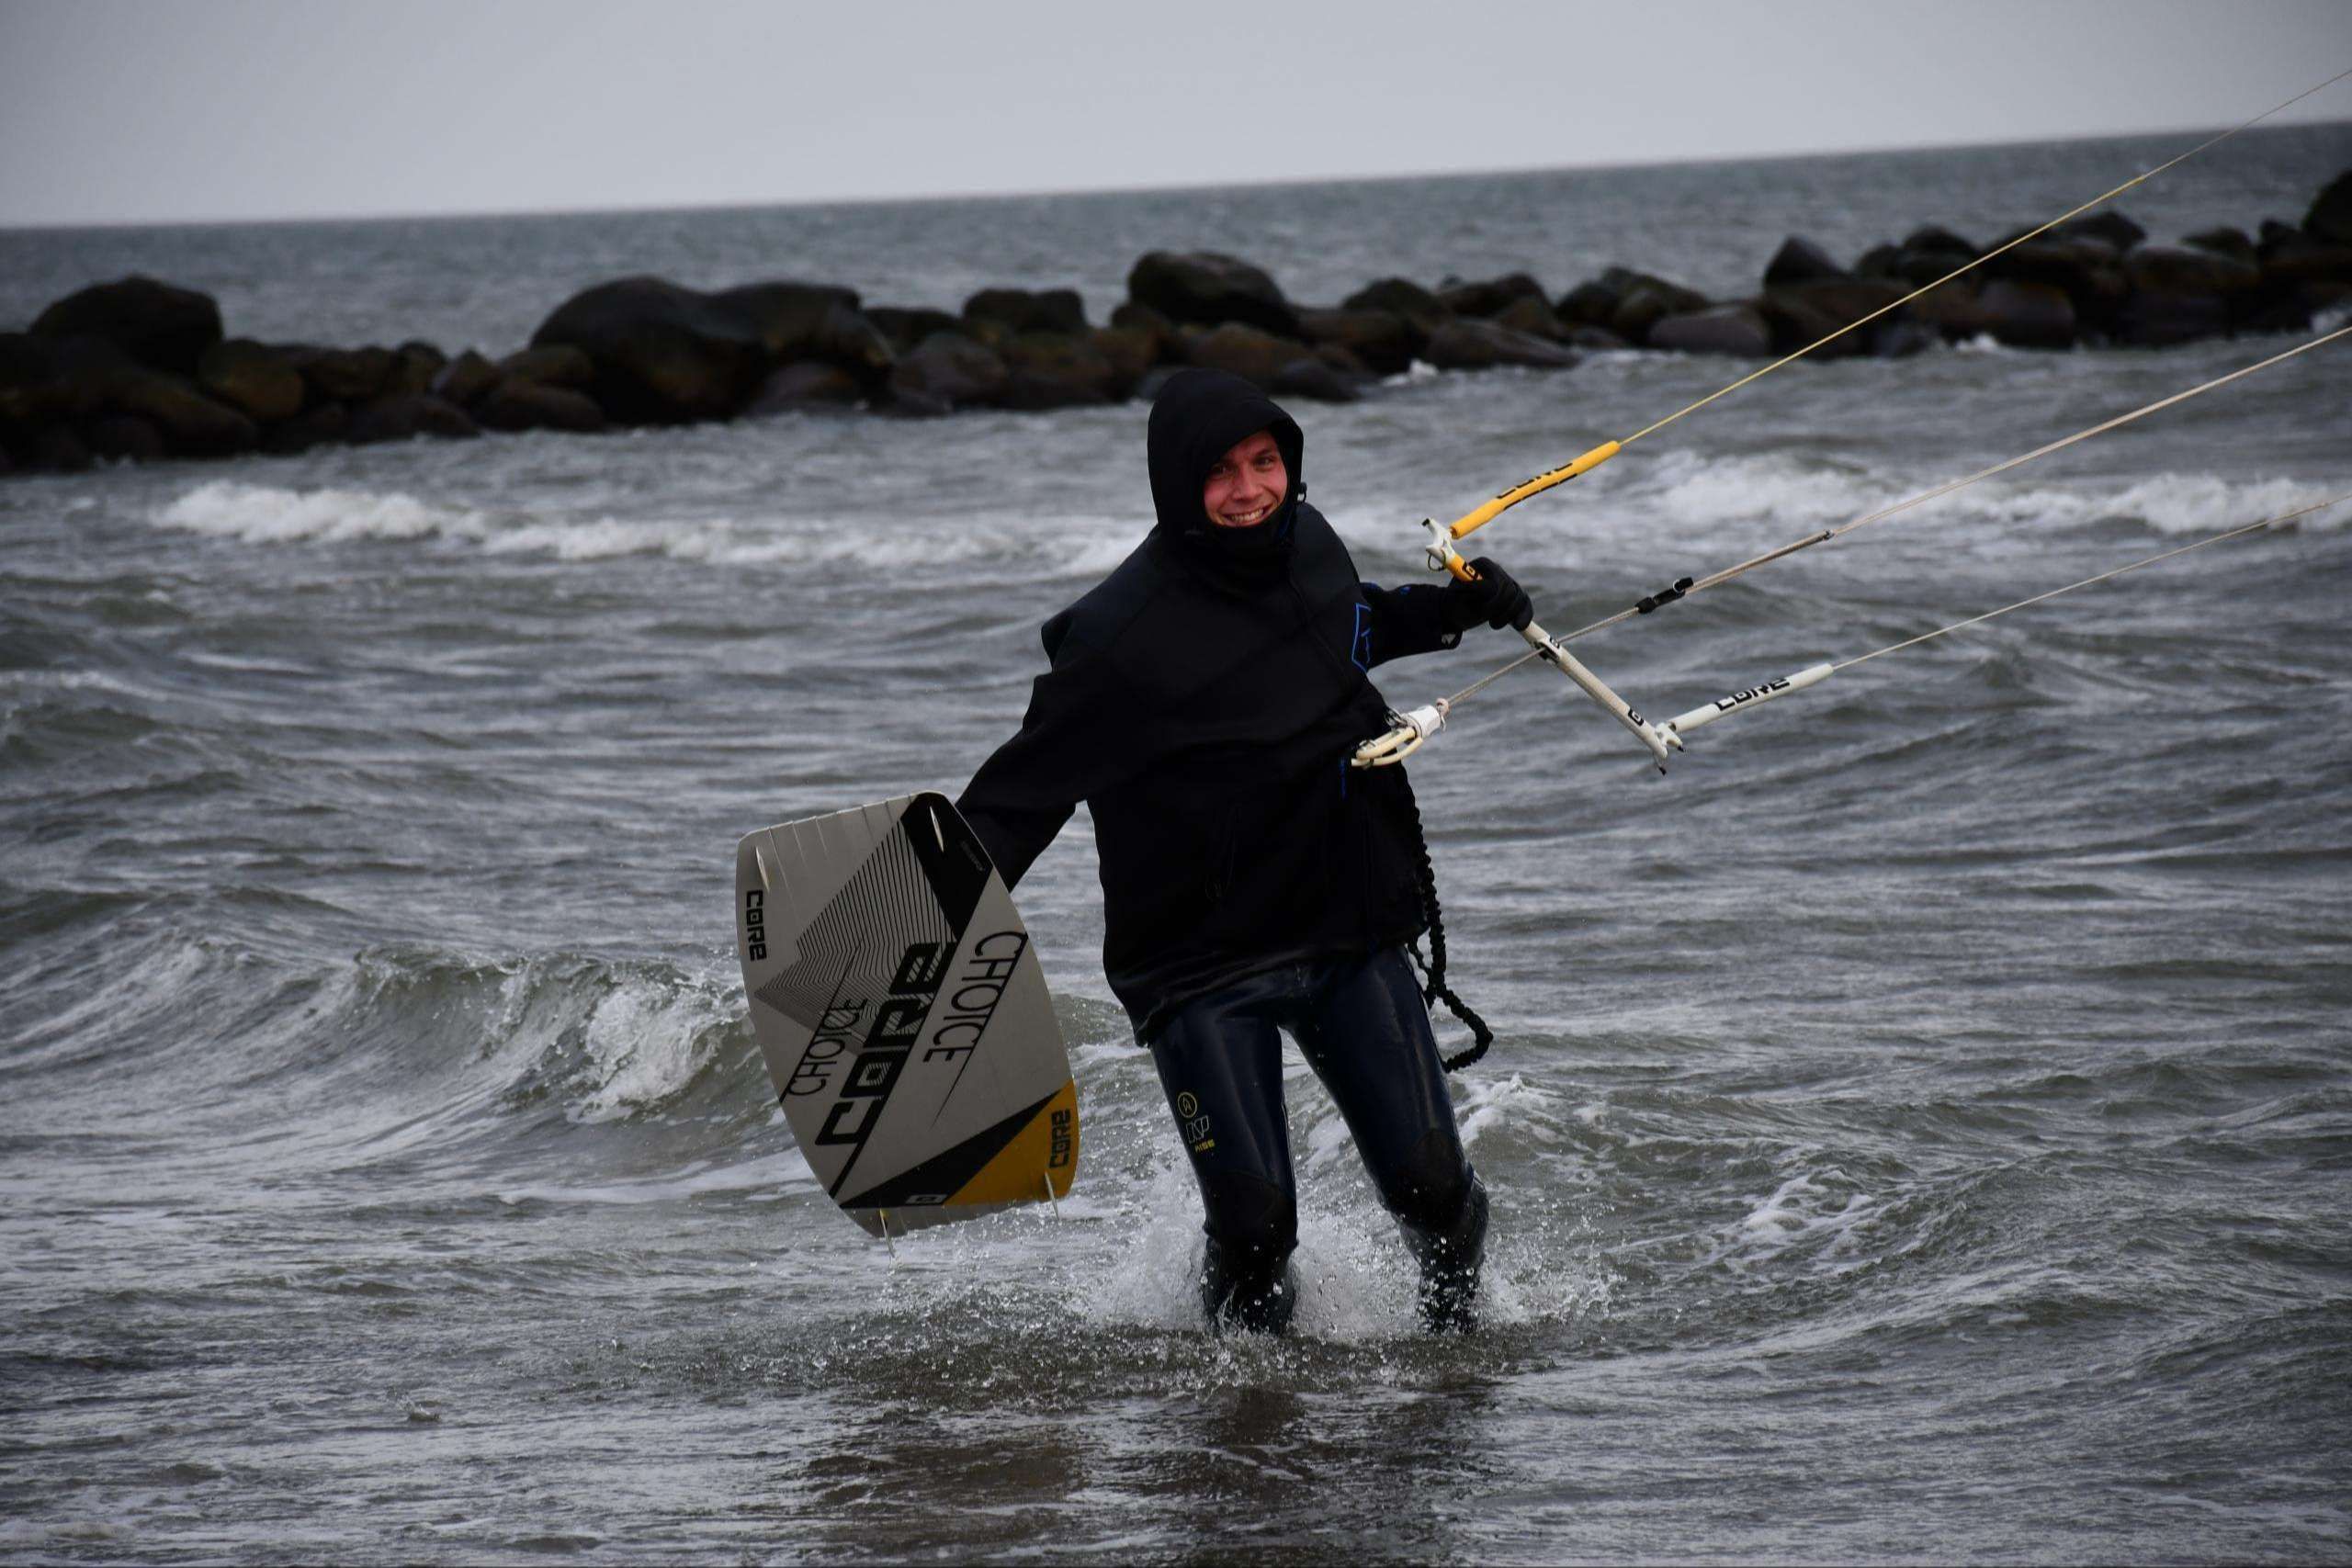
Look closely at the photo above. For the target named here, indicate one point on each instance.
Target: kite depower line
(1412, 728)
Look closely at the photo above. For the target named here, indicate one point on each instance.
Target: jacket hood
(1195, 420)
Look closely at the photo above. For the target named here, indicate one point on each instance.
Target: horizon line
(1177, 186)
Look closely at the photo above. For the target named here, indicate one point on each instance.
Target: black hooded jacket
(1203, 700)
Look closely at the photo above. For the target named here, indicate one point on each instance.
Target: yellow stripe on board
(1042, 1155)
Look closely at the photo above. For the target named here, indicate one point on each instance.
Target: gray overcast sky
(120, 111)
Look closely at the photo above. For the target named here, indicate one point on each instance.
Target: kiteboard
(902, 1015)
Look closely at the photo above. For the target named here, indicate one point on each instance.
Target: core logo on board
(755, 929)
(1065, 1146)
(898, 1024)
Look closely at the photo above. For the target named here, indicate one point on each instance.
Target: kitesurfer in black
(1203, 700)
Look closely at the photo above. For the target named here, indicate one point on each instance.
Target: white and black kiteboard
(902, 1015)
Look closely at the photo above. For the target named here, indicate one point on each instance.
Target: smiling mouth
(1247, 519)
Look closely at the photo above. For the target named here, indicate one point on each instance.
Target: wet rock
(1398, 296)
(1053, 370)
(1490, 297)
(1533, 314)
(1478, 345)
(807, 384)
(1130, 352)
(1204, 289)
(319, 424)
(155, 323)
(56, 448)
(192, 425)
(342, 375)
(1734, 329)
(1799, 260)
(124, 437)
(2304, 260)
(2179, 293)
(1936, 238)
(1803, 314)
(1318, 379)
(1599, 338)
(905, 326)
(1021, 311)
(552, 365)
(2111, 229)
(1589, 304)
(2330, 217)
(1384, 341)
(947, 370)
(810, 320)
(45, 381)
(464, 380)
(669, 355)
(2087, 272)
(402, 416)
(252, 378)
(511, 403)
(1879, 261)
(1954, 311)
(1642, 299)
(2026, 314)
(2225, 242)
(1255, 356)
(414, 364)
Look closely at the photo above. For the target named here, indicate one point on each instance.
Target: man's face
(1246, 484)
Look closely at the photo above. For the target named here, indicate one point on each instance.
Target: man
(1203, 701)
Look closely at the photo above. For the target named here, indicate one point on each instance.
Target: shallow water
(1919, 1125)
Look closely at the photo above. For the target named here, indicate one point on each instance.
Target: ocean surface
(1921, 1124)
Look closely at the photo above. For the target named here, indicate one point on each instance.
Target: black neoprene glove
(1496, 598)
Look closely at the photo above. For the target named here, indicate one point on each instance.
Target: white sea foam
(646, 1041)
(266, 514)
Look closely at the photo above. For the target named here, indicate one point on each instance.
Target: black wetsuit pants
(1363, 1028)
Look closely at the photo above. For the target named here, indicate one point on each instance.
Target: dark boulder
(1734, 329)
(1130, 352)
(1599, 338)
(253, 379)
(2109, 228)
(414, 364)
(1879, 261)
(155, 323)
(2088, 272)
(1479, 345)
(947, 370)
(806, 384)
(1398, 296)
(1204, 289)
(666, 354)
(2026, 314)
(1256, 355)
(402, 416)
(45, 381)
(1053, 370)
(192, 425)
(2179, 293)
(905, 326)
(1799, 260)
(810, 320)
(1533, 314)
(56, 448)
(1936, 238)
(1589, 304)
(1642, 299)
(319, 424)
(1803, 314)
(1316, 378)
(2225, 242)
(342, 375)
(464, 380)
(2305, 260)
(2330, 218)
(1385, 342)
(1490, 297)
(1954, 311)
(552, 365)
(1021, 311)
(124, 437)
(511, 403)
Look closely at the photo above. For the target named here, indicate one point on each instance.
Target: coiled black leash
(1432, 969)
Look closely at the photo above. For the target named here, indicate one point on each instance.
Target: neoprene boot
(1450, 1259)
(1256, 1294)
